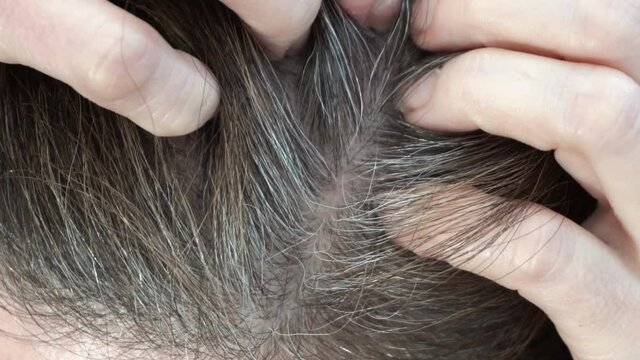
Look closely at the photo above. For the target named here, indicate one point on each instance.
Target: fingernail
(419, 96)
(383, 14)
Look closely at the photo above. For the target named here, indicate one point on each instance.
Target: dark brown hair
(268, 233)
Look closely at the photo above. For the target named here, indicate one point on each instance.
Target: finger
(605, 225)
(115, 60)
(584, 288)
(594, 31)
(378, 14)
(582, 111)
(281, 25)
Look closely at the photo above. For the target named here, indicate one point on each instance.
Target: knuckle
(603, 109)
(120, 66)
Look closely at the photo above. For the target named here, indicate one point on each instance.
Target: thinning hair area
(271, 232)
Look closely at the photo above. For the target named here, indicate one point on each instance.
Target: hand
(119, 62)
(558, 75)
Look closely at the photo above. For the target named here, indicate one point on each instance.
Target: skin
(559, 75)
(562, 76)
(124, 65)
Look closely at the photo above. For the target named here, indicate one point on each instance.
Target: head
(270, 233)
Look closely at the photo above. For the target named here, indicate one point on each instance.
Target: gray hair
(269, 233)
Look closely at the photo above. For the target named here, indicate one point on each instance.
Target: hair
(268, 233)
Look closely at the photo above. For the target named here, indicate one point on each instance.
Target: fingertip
(421, 19)
(201, 99)
(163, 90)
(131, 70)
(383, 14)
(376, 14)
(183, 101)
(422, 106)
(420, 95)
(282, 26)
(357, 9)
